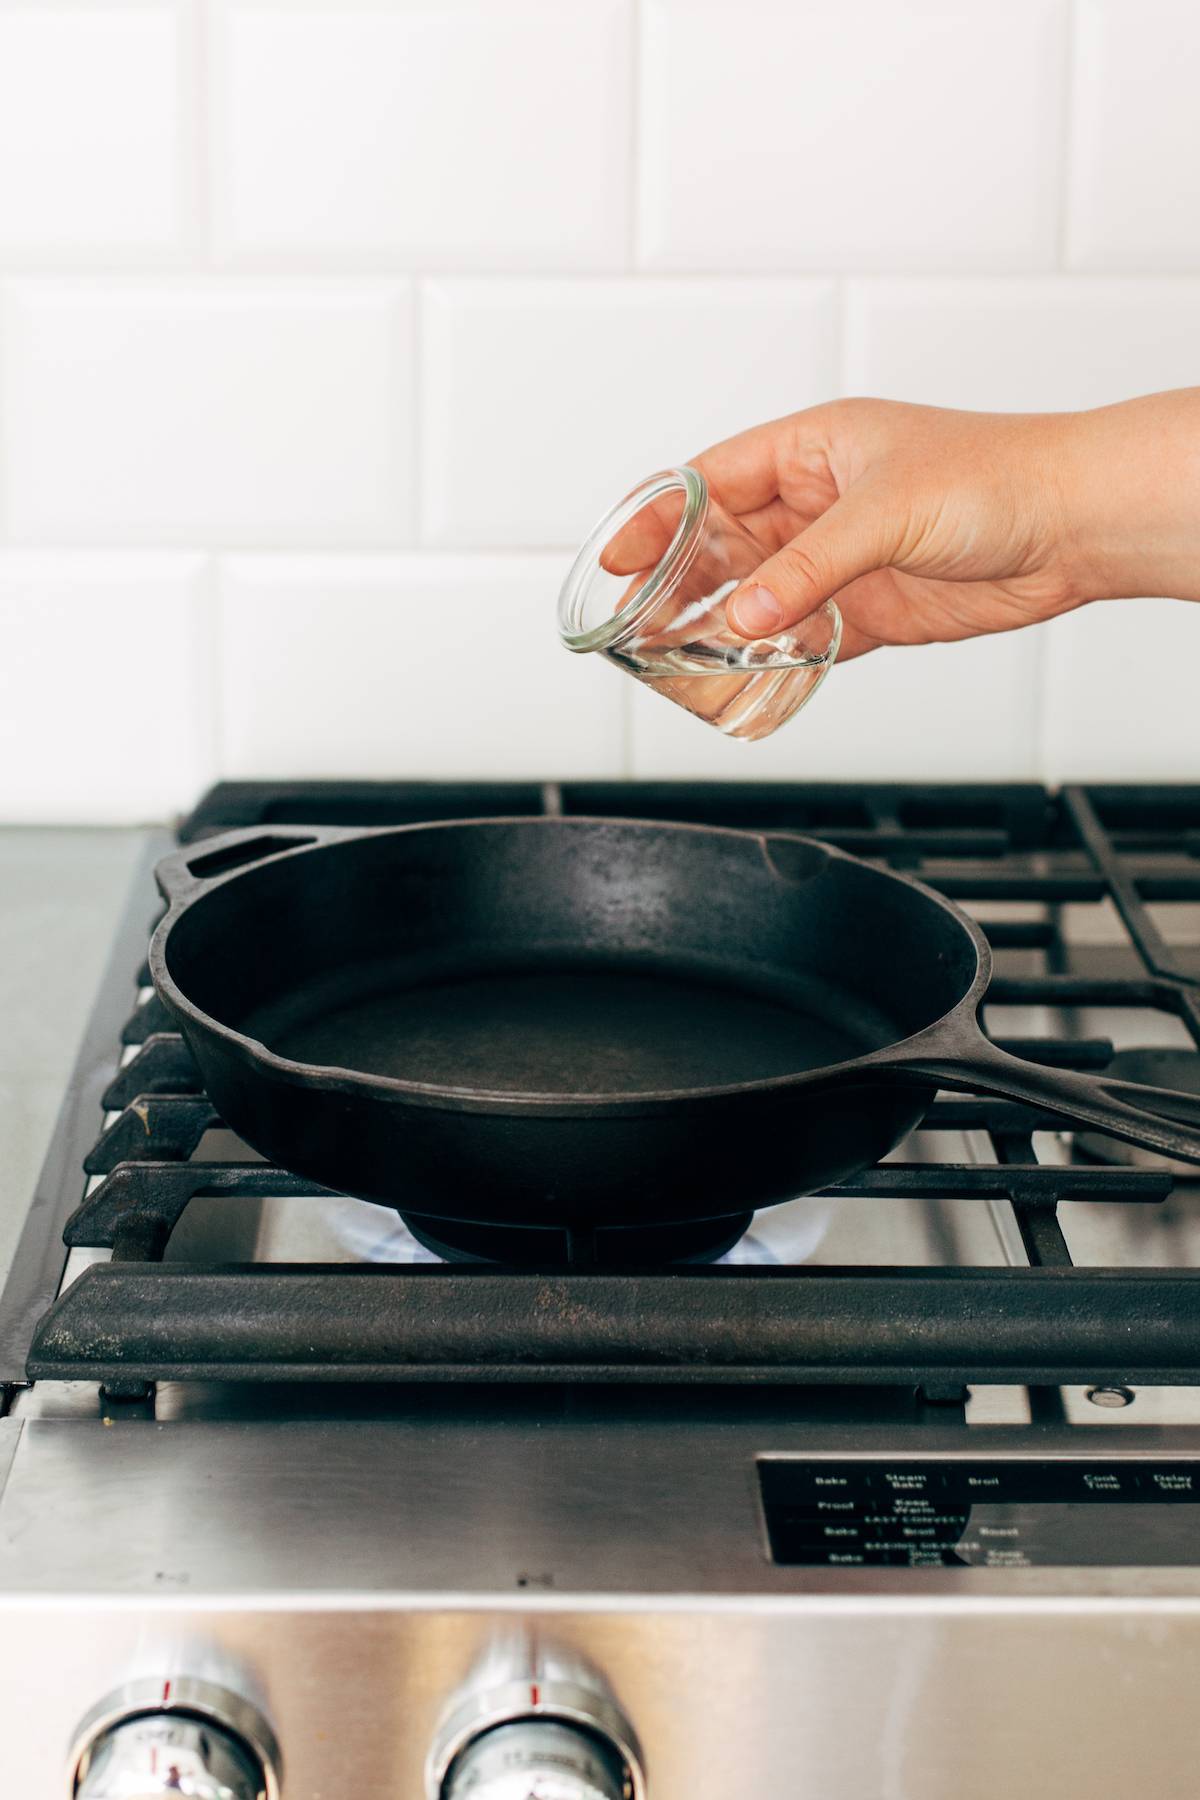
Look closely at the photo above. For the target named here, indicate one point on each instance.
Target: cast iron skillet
(586, 1022)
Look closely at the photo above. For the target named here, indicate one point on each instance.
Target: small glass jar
(648, 589)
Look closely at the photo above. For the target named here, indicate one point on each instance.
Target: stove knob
(168, 1754)
(176, 1738)
(537, 1759)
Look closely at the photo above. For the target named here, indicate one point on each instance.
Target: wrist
(1128, 484)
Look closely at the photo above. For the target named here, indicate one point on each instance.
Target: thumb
(847, 541)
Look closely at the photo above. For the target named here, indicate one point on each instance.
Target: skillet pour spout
(587, 1023)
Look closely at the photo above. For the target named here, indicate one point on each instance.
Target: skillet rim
(330, 1078)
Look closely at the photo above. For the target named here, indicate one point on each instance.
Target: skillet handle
(188, 872)
(1153, 1118)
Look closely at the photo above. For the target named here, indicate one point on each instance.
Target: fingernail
(756, 611)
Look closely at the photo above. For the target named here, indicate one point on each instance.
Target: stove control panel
(174, 1737)
(1015, 1513)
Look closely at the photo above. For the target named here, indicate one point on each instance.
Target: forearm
(932, 525)
(1128, 480)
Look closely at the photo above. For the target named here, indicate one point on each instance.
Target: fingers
(744, 473)
(847, 541)
(788, 458)
(744, 470)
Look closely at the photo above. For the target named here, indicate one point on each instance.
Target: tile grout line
(1067, 147)
(216, 734)
(418, 433)
(201, 89)
(841, 301)
(5, 328)
(633, 178)
(151, 270)
(1042, 645)
(226, 548)
(626, 741)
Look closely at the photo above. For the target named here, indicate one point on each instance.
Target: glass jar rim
(573, 596)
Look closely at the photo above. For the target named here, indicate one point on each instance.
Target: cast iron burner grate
(137, 1319)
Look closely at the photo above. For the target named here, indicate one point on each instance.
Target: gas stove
(899, 1495)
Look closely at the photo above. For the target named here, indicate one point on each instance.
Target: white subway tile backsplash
(1120, 693)
(1021, 345)
(855, 134)
(95, 130)
(106, 695)
(443, 134)
(1134, 193)
(945, 712)
(544, 401)
(633, 227)
(206, 412)
(414, 666)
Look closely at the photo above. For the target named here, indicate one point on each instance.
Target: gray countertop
(61, 894)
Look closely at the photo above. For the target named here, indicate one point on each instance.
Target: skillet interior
(569, 957)
(584, 1028)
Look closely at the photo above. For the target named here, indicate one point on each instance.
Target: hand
(930, 525)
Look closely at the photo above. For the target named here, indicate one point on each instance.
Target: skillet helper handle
(187, 872)
(1153, 1118)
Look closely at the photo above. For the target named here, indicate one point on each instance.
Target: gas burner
(791, 1233)
(539, 1247)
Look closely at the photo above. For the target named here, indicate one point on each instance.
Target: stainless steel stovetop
(312, 1582)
